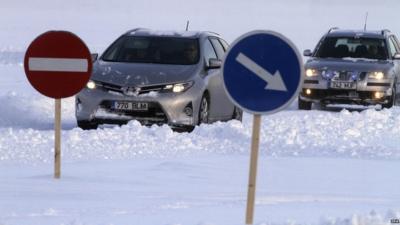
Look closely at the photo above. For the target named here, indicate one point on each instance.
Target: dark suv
(352, 67)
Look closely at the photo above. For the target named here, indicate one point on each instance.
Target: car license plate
(131, 106)
(343, 85)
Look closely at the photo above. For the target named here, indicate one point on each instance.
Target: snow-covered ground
(335, 167)
(199, 190)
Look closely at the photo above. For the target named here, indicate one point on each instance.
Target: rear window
(353, 47)
(161, 50)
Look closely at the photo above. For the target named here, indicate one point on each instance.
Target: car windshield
(353, 47)
(161, 50)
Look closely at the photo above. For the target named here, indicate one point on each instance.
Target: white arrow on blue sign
(262, 72)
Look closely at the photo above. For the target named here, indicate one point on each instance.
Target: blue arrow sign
(262, 72)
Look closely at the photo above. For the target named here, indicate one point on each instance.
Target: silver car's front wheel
(204, 110)
(87, 125)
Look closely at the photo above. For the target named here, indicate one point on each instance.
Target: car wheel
(237, 114)
(392, 99)
(204, 111)
(86, 125)
(304, 105)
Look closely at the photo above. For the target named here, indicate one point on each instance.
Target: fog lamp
(378, 94)
(188, 111)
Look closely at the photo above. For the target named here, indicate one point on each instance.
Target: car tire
(237, 114)
(204, 110)
(392, 99)
(304, 105)
(86, 125)
(183, 129)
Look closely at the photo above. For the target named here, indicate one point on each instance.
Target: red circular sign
(58, 64)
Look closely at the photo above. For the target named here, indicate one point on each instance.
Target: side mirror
(307, 52)
(94, 56)
(214, 63)
(396, 56)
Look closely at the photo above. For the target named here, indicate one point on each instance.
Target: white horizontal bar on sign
(58, 64)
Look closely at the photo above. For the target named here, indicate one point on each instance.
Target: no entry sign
(58, 64)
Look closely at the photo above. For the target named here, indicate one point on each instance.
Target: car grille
(154, 112)
(132, 90)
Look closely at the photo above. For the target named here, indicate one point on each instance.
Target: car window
(218, 47)
(392, 47)
(354, 47)
(224, 44)
(150, 49)
(209, 52)
(396, 42)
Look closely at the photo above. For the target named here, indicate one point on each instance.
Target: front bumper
(320, 90)
(94, 105)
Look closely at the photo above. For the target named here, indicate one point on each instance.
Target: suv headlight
(312, 72)
(376, 75)
(178, 88)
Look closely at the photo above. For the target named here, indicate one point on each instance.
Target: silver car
(157, 77)
(352, 67)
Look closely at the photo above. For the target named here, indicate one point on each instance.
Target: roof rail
(332, 28)
(214, 33)
(133, 30)
(384, 31)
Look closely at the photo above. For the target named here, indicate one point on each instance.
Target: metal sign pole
(251, 194)
(57, 139)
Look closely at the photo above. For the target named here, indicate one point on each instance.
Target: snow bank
(27, 121)
(9, 56)
(33, 111)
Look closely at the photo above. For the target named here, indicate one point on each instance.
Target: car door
(220, 47)
(220, 105)
(394, 49)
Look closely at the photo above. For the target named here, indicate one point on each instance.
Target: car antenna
(365, 24)
(187, 25)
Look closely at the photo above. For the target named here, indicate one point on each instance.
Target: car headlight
(312, 72)
(91, 84)
(177, 88)
(376, 75)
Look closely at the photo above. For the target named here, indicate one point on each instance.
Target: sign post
(251, 193)
(57, 139)
(58, 65)
(262, 73)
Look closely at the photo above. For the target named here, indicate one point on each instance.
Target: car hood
(141, 74)
(349, 64)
